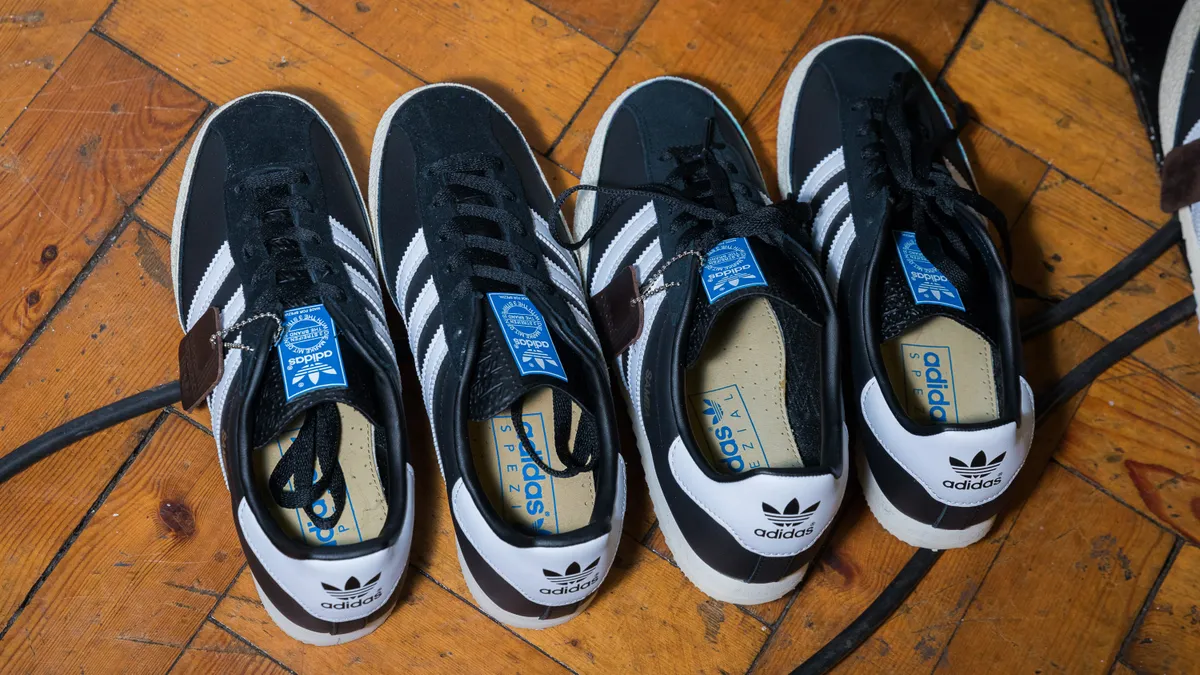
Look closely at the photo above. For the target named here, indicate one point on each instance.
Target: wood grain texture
(215, 651)
(733, 48)
(83, 151)
(1074, 20)
(35, 37)
(1073, 112)
(118, 335)
(510, 49)
(224, 50)
(143, 574)
(1069, 235)
(609, 22)
(1065, 587)
(925, 29)
(430, 631)
(1006, 175)
(1168, 641)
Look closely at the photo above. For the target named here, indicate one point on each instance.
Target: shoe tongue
(737, 270)
(519, 351)
(915, 290)
(310, 368)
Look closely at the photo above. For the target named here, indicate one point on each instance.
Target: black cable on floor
(81, 427)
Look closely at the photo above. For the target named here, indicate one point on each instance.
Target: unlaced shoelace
(286, 276)
(469, 184)
(902, 156)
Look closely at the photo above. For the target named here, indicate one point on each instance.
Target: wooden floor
(120, 553)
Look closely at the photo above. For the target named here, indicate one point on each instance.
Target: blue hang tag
(928, 285)
(730, 265)
(527, 335)
(308, 351)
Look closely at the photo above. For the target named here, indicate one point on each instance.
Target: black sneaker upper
(271, 230)
(712, 258)
(899, 233)
(495, 315)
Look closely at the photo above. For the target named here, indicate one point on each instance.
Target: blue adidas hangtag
(308, 351)
(730, 265)
(928, 285)
(527, 335)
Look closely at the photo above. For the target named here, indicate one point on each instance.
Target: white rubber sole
(791, 97)
(309, 637)
(1170, 97)
(508, 618)
(585, 203)
(910, 531)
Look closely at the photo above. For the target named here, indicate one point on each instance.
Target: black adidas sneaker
(731, 364)
(511, 370)
(1179, 122)
(270, 230)
(944, 418)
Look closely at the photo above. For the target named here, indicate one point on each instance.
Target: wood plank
(1074, 20)
(535, 66)
(35, 38)
(1006, 174)
(117, 336)
(1135, 434)
(925, 29)
(609, 22)
(84, 150)
(1058, 103)
(430, 631)
(144, 573)
(733, 48)
(1065, 587)
(1168, 641)
(215, 651)
(224, 50)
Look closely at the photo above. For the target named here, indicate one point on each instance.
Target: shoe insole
(736, 392)
(365, 510)
(521, 492)
(941, 372)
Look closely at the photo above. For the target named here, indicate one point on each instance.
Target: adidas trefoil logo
(788, 522)
(713, 409)
(572, 579)
(976, 473)
(352, 594)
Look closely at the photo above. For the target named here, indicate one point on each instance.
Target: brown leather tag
(1181, 177)
(201, 359)
(618, 313)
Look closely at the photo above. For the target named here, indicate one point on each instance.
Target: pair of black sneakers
(714, 304)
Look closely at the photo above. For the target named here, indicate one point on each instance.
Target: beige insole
(941, 372)
(517, 488)
(736, 392)
(365, 510)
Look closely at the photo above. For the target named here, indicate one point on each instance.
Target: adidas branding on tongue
(730, 265)
(928, 285)
(526, 334)
(309, 354)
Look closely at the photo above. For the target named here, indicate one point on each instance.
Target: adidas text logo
(788, 523)
(353, 594)
(572, 579)
(975, 475)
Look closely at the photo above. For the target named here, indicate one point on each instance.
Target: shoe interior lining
(737, 392)
(942, 372)
(366, 508)
(521, 492)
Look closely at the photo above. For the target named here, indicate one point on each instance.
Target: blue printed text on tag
(928, 285)
(730, 265)
(527, 335)
(308, 351)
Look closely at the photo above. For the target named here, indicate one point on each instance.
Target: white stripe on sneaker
(426, 301)
(214, 277)
(828, 213)
(626, 239)
(368, 290)
(349, 243)
(433, 364)
(415, 253)
(821, 174)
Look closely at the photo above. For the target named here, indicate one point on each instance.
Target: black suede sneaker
(943, 417)
(270, 231)
(731, 364)
(511, 370)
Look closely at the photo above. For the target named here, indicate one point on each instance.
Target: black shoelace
(903, 157)
(484, 257)
(286, 276)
